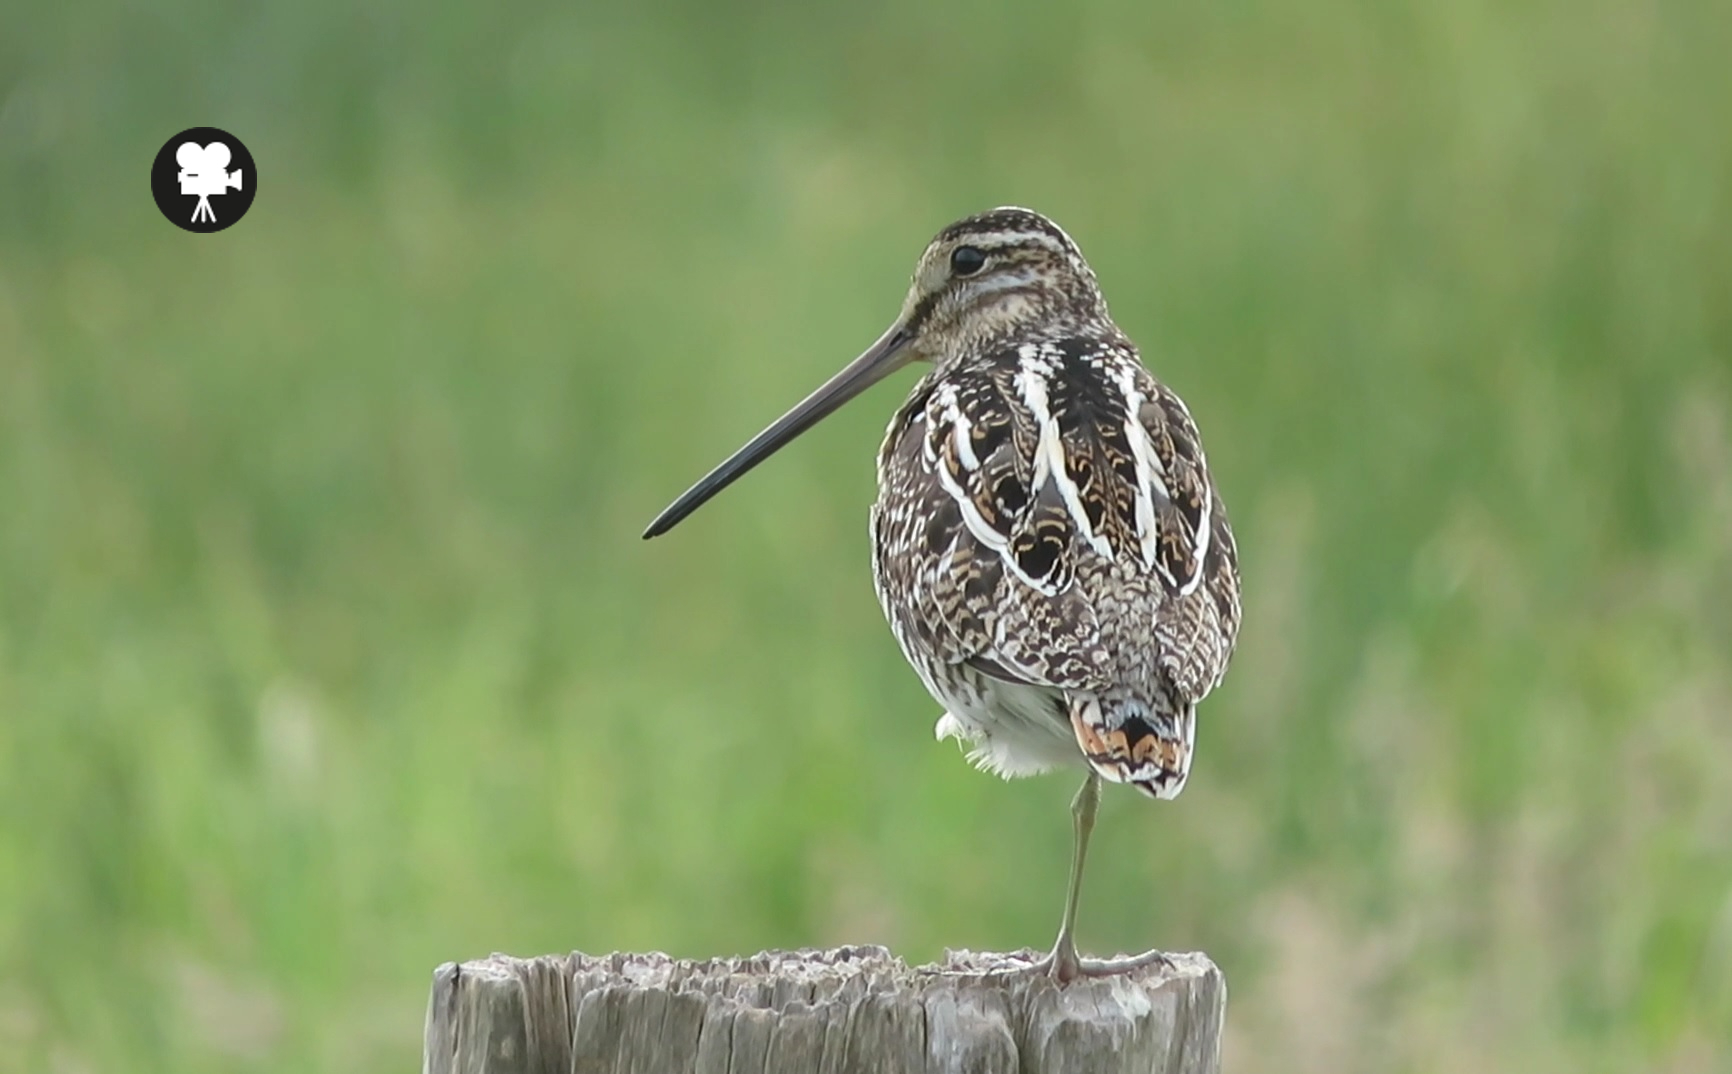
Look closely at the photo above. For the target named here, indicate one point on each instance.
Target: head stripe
(1008, 225)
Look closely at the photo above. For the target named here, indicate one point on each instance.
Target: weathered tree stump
(854, 1009)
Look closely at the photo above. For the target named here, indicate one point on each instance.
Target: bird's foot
(1112, 967)
(1065, 966)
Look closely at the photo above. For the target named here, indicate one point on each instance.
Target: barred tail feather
(1129, 740)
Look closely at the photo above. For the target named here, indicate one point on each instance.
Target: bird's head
(1006, 273)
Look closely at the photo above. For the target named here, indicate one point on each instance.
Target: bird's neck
(989, 341)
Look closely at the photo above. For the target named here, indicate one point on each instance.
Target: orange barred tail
(1128, 741)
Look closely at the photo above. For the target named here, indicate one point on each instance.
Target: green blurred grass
(328, 650)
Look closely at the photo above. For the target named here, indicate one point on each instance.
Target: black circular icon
(203, 179)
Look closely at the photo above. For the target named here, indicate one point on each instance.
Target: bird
(1048, 544)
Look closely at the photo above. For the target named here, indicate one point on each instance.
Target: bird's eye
(967, 260)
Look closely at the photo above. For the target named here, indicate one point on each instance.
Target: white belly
(1013, 730)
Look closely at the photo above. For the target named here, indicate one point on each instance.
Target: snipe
(1048, 544)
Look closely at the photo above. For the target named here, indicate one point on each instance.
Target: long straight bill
(881, 359)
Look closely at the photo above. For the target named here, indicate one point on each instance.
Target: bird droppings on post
(851, 1010)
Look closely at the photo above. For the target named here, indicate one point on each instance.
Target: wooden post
(853, 1010)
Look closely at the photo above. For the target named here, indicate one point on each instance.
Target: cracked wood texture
(853, 1009)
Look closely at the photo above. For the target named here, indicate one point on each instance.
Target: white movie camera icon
(204, 171)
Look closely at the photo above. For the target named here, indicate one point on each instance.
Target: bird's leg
(1063, 963)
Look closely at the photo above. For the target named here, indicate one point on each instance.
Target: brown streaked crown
(1032, 282)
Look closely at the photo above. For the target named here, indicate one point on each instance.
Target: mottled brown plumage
(1048, 544)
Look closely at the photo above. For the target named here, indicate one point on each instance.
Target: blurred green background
(329, 651)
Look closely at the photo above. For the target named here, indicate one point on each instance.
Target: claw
(1066, 967)
(1111, 967)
